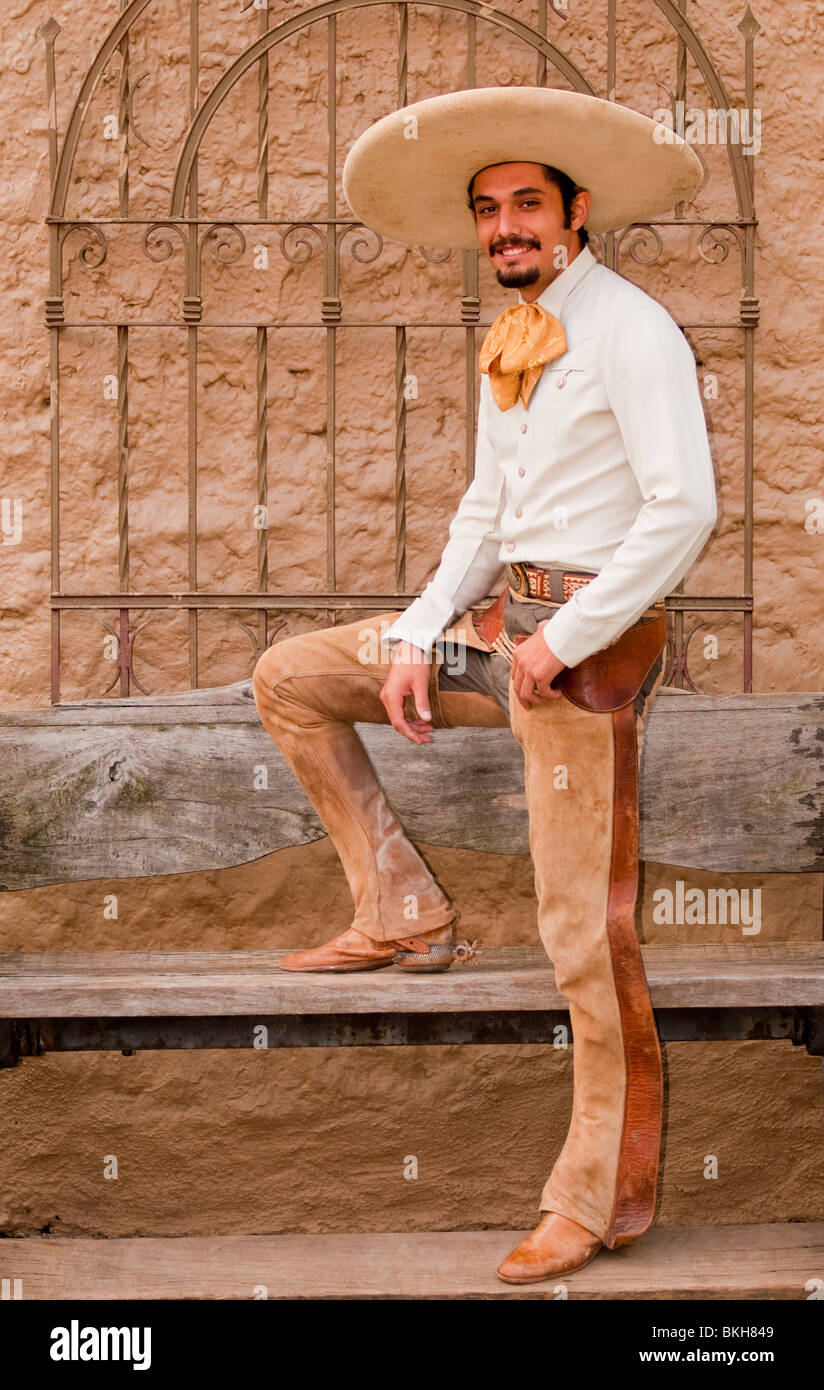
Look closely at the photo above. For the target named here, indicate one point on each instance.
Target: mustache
(532, 243)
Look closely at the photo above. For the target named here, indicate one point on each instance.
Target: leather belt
(551, 583)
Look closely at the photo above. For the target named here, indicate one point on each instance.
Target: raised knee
(284, 660)
(276, 664)
(267, 670)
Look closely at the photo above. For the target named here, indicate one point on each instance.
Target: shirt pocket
(559, 378)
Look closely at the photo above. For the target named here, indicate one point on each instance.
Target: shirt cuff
(571, 638)
(422, 623)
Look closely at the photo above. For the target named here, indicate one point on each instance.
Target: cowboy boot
(354, 950)
(558, 1245)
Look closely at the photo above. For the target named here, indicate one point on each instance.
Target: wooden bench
(121, 788)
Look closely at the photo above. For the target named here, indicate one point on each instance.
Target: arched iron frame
(194, 234)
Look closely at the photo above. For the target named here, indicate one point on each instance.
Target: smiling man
(593, 494)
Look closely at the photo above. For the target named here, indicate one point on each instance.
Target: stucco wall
(316, 1140)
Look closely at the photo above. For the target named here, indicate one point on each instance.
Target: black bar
(33, 1037)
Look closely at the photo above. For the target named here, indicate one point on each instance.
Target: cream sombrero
(406, 176)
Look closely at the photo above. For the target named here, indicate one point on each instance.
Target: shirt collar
(563, 284)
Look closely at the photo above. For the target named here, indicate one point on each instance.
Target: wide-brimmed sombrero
(406, 176)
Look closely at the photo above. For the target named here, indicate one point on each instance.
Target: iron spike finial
(749, 25)
(49, 30)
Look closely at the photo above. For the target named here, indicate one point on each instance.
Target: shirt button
(521, 472)
(519, 511)
(523, 429)
(510, 545)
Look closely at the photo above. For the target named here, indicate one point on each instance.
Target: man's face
(519, 218)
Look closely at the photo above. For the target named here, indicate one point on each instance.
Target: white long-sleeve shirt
(608, 469)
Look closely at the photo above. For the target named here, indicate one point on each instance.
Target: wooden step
(88, 984)
(717, 1262)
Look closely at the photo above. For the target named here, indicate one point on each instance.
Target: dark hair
(566, 186)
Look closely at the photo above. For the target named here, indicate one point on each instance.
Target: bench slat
(124, 788)
(68, 984)
(735, 1262)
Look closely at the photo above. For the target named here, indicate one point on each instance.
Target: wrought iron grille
(185, 233)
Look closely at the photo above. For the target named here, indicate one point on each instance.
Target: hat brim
(406, 177)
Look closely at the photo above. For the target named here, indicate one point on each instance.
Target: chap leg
(310, 690)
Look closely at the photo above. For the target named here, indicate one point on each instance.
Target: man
(594, 489)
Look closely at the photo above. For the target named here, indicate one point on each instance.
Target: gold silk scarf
(515, 350)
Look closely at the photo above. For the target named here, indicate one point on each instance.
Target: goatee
(514, 277)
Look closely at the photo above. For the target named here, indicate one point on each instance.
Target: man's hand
(534, 668)
(410, 675)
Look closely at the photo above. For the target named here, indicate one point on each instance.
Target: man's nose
(508, 224)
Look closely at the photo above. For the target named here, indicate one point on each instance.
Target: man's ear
(579, 209)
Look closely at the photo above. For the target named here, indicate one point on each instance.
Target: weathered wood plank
(69, 984)
(713, 1262)
(124, 788)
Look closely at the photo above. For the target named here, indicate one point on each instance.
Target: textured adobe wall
(316, 1140)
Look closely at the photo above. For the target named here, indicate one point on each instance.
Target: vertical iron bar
(680, 95)
(540, 76)
(191, 352)
(261, 382)
(331, 297)
(470, 299)
(400, 352)
(123, 491)
(48, 32)
(609, 237)
(470, 313)
(261, 375)
(681, 84)
(400, 460)
(123, 655)
(123, 123)
(54, 317)
(749, 444)
(749, 27)
(191, 450)
(403, 41)
(54, 484)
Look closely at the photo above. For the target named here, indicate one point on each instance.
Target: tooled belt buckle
(518, 578)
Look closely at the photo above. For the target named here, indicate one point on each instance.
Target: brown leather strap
(414, 943)
(637, 1175)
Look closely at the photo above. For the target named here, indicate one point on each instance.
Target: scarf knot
(515, 350)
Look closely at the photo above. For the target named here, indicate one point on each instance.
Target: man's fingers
(416, 730)
(420, 692)
(529, 691)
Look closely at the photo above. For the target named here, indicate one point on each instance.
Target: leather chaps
(607, 683)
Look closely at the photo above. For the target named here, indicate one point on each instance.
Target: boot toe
(554, 1247)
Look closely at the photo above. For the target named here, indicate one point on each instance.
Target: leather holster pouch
(607, 680)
